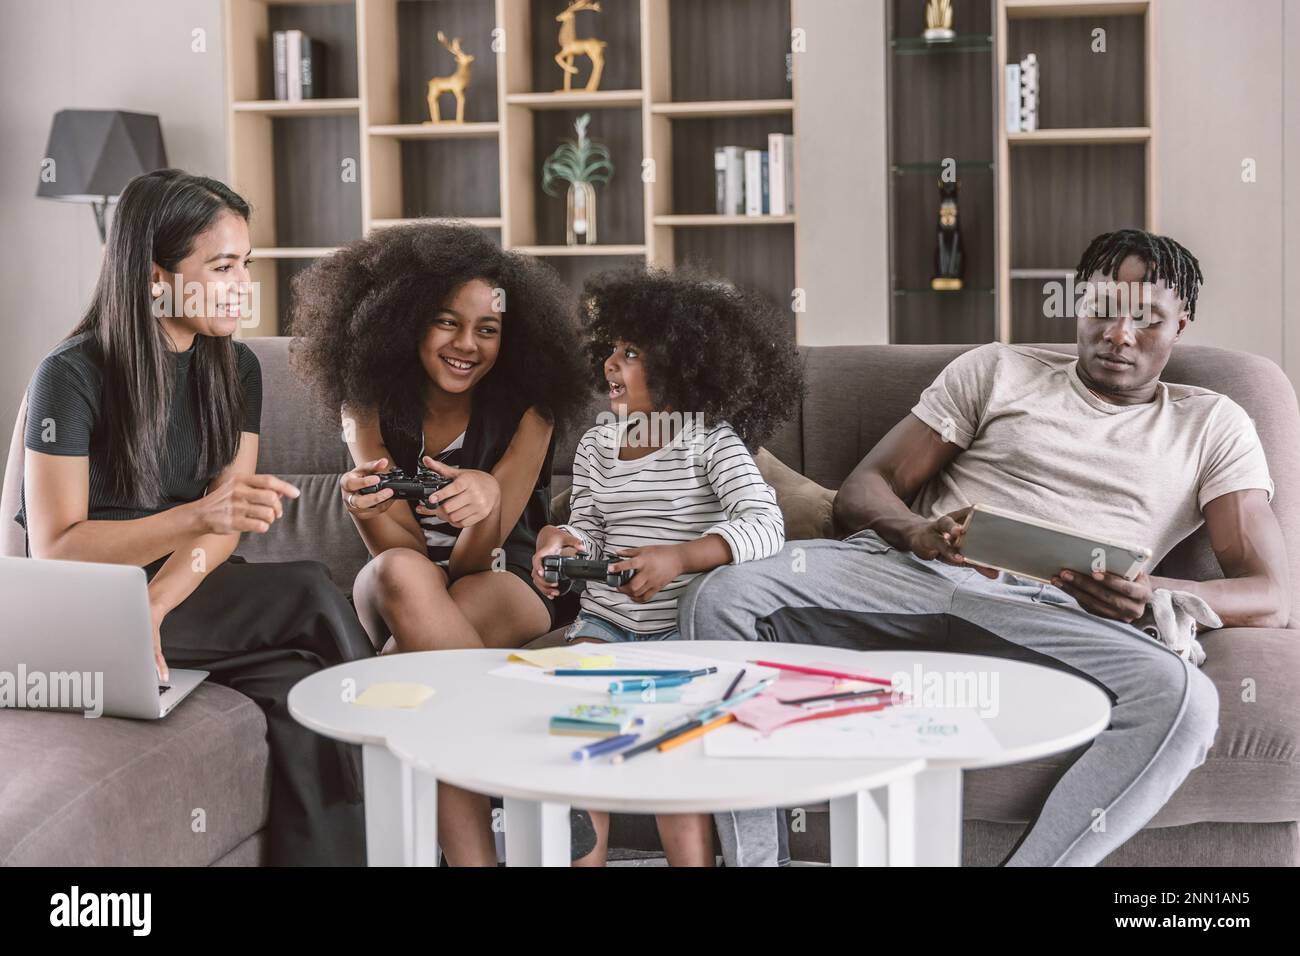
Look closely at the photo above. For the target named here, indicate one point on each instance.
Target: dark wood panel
(1063, 196)
(916, 224)
(943, 318)
(1080, 88)
(968, 16)
(420, 57)
(730, 49)
(1029, 306)
(618, 23)
(313, 204)
(450, 178)
(334, 25)
(574, 270)
(694, 184)
(942, 107)
(758, 258)
(620, 206)
(285, 270)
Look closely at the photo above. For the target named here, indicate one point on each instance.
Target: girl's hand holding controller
(655, 567)
(552, 540)
(365, 507)
(471, 496)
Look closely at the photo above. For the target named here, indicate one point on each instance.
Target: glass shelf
(962, 43)
(970, 165)
(937, 292)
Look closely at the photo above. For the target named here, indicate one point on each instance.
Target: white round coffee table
(489, 734)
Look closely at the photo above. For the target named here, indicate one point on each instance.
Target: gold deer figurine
(571, 47)
(455, 84)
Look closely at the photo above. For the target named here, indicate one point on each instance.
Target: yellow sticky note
(404, 696)
(549, 657)
(597, 662)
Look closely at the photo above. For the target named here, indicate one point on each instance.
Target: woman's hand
(242, 503)
(157, 612)
(471, 496)
(364, 507)
(552, 540)
(654, 567)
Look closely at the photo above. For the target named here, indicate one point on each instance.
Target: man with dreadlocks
(1097, 442)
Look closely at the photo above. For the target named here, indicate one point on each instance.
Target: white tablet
(1040, 550)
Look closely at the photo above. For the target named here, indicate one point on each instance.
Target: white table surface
(489, 734)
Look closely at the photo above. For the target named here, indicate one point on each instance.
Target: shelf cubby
(680, 78)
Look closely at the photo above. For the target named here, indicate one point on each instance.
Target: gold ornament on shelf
(938, 21)
(455, 84)
(571, 47)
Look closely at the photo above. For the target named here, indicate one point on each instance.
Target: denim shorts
(589, 625)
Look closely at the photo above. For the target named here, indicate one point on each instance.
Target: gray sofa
(76, 791)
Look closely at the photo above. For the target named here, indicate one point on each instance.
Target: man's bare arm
(1248, 542)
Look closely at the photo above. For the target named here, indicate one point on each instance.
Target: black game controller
(558, 567)
(418, 487)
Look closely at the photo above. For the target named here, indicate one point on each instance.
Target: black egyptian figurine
(948, 260)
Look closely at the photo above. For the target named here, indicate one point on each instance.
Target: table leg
(387, 789)
(938, 813)
(537, 834)
(875, 827)
(422, 842)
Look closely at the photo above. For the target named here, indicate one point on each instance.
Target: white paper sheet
(900, 731)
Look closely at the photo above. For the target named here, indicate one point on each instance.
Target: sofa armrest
(13, 542)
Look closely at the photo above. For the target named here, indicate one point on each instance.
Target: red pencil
(819, 715)
(821, 673)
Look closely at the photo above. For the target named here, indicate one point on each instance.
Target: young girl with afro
(697, 373)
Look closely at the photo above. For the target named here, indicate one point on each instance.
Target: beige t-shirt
(1037, 442)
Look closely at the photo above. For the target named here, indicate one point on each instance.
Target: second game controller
(558, 567)
(415, 487)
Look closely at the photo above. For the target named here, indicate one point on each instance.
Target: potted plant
(582, 163)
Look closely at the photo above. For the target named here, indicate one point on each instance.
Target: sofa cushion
(107, 791)
(1251, 774)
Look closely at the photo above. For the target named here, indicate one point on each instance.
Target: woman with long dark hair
(441, 349)
(142, 434)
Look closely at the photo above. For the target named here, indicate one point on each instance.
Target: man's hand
(940, 540)
(1106, 594)
(654, 567)
(552, 540)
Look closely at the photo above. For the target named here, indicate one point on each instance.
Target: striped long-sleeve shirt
(703, 482)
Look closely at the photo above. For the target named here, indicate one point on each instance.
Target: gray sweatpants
(865, 594)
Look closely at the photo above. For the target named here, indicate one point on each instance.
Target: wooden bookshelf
(681, 78)
(1093, 133)
(1029, 202)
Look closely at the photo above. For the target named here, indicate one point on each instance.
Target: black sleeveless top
(486, 439)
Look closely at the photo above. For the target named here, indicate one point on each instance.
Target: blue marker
(647, 683)
(601, 747)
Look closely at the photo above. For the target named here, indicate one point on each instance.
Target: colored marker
(602, 747)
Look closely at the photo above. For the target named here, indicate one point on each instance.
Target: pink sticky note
(792, 686)
(765, 713)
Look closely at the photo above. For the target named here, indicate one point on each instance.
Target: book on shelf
(281, 71)
(1013, 98)
(299, 61)
(755, 184)
(780, 150)
(729, 175)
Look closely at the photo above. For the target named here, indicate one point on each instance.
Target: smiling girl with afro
(695, 371)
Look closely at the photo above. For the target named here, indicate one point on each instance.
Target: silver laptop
(77, 636)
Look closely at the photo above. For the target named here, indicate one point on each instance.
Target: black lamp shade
(97, 152)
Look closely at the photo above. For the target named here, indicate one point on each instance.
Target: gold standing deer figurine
(455, 84)
(571, 47)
